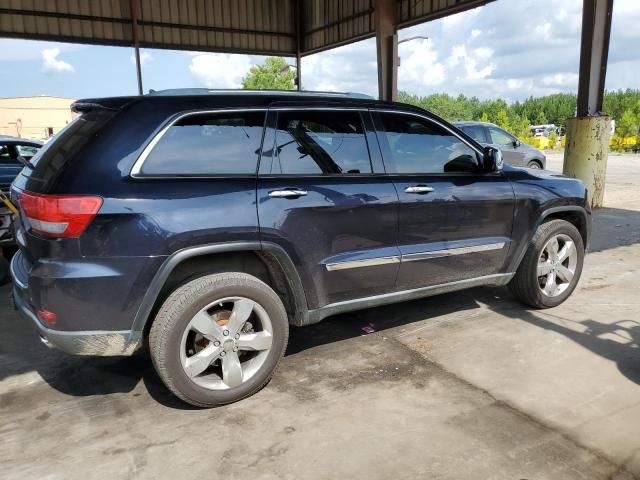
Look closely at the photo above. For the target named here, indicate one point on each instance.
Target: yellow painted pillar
(586, 152)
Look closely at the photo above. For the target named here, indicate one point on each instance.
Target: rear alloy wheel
(219, 338)
(551, 267)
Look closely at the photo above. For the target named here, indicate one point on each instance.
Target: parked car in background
(10, 149)
(514, 152)
(207, 224)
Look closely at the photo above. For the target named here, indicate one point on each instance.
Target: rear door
(454, 219)
(323, 197)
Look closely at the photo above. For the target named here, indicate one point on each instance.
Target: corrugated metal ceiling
(243, 26)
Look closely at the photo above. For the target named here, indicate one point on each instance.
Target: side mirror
(492, 159)
(516, 143)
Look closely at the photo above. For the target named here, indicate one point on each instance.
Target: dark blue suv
(208, 223)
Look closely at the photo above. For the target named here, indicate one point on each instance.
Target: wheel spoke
(552, 247)
(550, 286)
(231, 369)
(255, 341)
(567, 250)
(564, 274)
(198, 363)
(240, 314)
(544, 269)
(206, 326)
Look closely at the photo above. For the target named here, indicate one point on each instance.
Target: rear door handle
(287, 193)
(419, 189)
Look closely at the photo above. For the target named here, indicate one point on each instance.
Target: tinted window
(476, 132)
(27, 151)
(321, 142)
(414, 145)
(6, 155)
(500, 137)
(208, 144)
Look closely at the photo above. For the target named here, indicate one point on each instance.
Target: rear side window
(208, 144)
(6, 155)
(476, 132)
(321, 142)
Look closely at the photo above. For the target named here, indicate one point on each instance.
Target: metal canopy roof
(270, 27)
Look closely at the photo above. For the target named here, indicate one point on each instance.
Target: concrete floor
(463, 386)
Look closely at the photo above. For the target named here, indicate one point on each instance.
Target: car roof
(6, 140)
(204, 98)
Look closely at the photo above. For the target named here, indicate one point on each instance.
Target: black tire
(534, 164)
(177, 311)
(4, 270)
(525, 284)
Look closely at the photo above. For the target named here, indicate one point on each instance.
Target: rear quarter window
(208, 144)
(64, 147)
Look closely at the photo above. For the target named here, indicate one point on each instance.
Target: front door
(512, 153)
(454, 219)
(322, 197)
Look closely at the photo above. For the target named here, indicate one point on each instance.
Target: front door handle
(287, 193)
(419, 189)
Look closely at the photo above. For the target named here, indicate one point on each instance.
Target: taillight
(59, 216)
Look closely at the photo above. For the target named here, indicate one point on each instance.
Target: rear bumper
(102, 343)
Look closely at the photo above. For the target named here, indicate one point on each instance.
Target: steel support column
(136, 43)
(587, 144)
(298, 17)
(387, 49)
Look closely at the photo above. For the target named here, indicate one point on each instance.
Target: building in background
(34, 117)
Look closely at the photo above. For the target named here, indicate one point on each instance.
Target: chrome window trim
(367, 262)
(412, 257)
(307, 107)
(440, 124)
(136, 170)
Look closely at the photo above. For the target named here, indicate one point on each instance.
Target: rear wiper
(25, 162)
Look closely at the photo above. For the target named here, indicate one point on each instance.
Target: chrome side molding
(369, 262)
(412, 257)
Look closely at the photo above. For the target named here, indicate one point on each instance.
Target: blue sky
(509, 49)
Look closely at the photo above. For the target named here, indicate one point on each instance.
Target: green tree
(502, 119)
(627, 126)
(273, 74)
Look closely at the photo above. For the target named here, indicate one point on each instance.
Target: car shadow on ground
(613, 228)
(85, 376)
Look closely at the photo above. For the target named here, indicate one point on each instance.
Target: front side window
(500, 137)
(321, 142)
(208, 144)
(414, 145)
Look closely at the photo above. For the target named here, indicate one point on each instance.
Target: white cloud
(561, 80)
(219, 70)
(145, 57)
(51, 64)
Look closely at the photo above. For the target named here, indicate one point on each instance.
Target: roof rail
(293, 93)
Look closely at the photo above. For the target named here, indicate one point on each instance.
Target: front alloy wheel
(219, 338)
(557, 265)
(551, 267)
